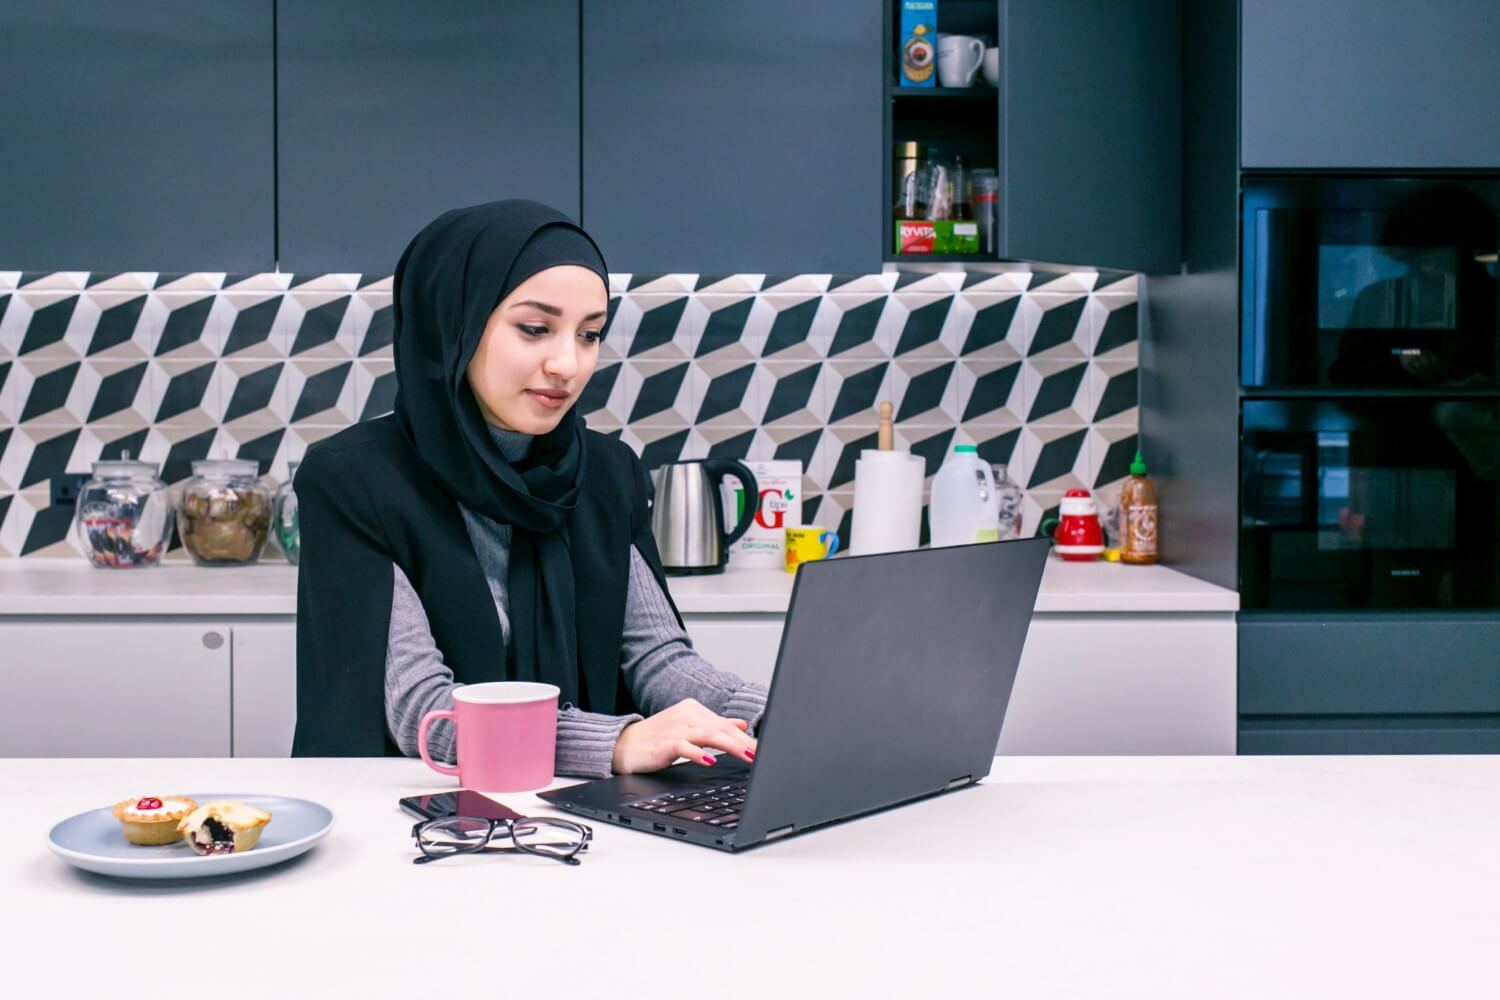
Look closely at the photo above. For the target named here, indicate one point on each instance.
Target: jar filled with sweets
(124, 514)
(288, 533)
(224, 517)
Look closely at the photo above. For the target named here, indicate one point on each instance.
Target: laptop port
(659, 827)
(625, 820)
(680, 833)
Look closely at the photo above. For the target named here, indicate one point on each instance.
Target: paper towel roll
(887, 502)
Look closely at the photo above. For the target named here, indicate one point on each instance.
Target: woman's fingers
(727, 738)
(693, 752)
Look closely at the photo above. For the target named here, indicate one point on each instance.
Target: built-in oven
(1370, 503)
(1353, 282)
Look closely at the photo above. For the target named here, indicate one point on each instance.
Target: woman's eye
(531, 331)
(591, 336)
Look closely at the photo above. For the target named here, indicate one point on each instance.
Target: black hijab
(448, 282)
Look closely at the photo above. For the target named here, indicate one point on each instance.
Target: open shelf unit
(961, 121)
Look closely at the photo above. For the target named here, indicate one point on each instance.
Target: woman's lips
(550, 402)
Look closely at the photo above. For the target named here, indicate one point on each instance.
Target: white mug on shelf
(959, 57)
(992, 66)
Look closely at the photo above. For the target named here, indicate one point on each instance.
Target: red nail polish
(749, 754)
(708, 758)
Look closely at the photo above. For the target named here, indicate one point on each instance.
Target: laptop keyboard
(715, 806)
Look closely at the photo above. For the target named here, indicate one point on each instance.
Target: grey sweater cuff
(748, 702)
(586, 742)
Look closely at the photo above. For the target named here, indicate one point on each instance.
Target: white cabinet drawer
(84, 689)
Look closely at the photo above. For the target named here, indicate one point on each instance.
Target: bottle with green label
(1138, 516)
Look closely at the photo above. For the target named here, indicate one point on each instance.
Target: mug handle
(978, 47)
(428, 720)
(831, 540)
(1049, 527)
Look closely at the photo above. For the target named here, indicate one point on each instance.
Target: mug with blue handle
(808, 544)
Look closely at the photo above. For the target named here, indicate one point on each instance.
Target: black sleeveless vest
(364, 502)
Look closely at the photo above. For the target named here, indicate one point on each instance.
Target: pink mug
(507, 736)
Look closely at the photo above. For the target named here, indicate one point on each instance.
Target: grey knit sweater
(661, 668)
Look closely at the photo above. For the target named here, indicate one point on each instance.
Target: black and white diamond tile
(1036, 368)
(989, 392)
(659, 393)
(1063, 329)
(1054, 458)
(795, 397)
(801, 327)
(321, 392)
(927, 388)
(1115, 392)
(1115, 327)
(1112, 447)
(852, 390)
(374, 389)
(1057, 391)
(864, 325)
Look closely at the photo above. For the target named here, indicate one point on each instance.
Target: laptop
(891, 683)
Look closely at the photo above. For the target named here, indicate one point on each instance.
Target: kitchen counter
(73, 587)
(1055, 877)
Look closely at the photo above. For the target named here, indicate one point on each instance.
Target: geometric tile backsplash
(1036, 368)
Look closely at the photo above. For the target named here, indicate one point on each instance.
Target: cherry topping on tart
(148, 803)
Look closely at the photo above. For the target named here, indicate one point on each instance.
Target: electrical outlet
(66, 487)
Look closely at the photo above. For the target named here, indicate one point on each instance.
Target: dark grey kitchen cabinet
(1355, 84)
(728, 137)
(1369, 683)
(137, 137)
(1090, 108)
(391, 113)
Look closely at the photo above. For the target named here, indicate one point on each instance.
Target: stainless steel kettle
(687, 514)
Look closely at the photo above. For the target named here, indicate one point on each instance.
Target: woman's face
(539, 349)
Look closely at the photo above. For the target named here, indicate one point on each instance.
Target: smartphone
(462, 802)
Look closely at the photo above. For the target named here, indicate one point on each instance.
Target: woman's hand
(687, 729)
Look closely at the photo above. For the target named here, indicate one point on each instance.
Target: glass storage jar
(288, 534)
(224, 517)
(123, 514)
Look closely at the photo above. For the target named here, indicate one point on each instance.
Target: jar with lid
(224, 517)
(288, 532)
(123, 514)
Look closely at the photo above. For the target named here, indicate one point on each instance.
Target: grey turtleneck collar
(513, 444)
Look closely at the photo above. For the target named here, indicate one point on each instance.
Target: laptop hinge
(780, 831)
(958, 782)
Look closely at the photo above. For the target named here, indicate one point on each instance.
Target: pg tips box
(764, 545)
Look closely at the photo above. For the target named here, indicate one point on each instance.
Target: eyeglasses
(558, 839)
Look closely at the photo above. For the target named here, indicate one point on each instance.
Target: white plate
(94, 842)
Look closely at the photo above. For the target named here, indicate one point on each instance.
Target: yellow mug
(807, 544)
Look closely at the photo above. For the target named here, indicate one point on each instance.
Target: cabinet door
(1129, 684)
(391, 113)
(95, 689)
(265, 689)
(724, 137)
(1349, 83)
(743, 644)
(1091, 132)
(138, 137)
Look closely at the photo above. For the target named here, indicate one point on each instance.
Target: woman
(480, 532)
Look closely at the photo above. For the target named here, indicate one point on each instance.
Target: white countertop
(73, 587)
(1056, 877)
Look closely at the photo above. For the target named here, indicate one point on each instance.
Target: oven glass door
(1388, 504)
(1370, 283)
